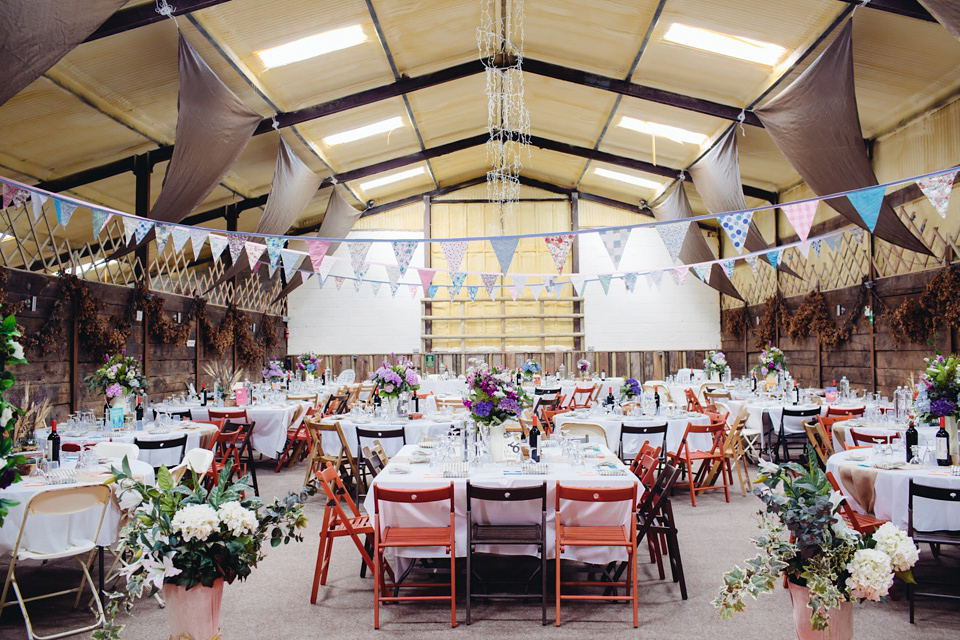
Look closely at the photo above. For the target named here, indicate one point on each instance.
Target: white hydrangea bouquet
(822, 553)
(715, 362)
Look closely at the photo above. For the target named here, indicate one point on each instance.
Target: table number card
(241, 397)
(116, 418)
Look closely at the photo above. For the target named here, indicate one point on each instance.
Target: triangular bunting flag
(457, 279)
(679, 274)
(489, 282)
(393, 277)
(180, 235)
(513, 293)
(64, 211)
(504, 248)
(630, 282)
(413, 290)
(339, 281)
(236, 244)
(454, 252)
(253, 250)
(36, 204)
(673, 236)
(558, 289)
(816, 246)
(143, 227)
(548, 281)
(272, 270)
(655, 278)
(868, 203)
(774, 257)
(426, 277)
(432, 290)
(358, 253)
(703, 272)
(317, 250)
(98, 218)
(559, 247)
(273, 250)
(615, 240)
(535, 290)
(577, 281)
(163, 234)
(727, 266)
(472, 290)
(13, 195)
(217, 244)
(375, 286)
(290, 259)
(803, 249)
(520, 282)
(737, 226)
(937, 189)
(357, 283)
(801, 216)
(197, 238)
(860, 236)
(832, 242)
(403, 250)
(752, 261)
(325, 267)
(604, 279)
(129, 228)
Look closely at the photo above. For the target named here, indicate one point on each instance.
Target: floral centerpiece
(274, 371)
(117, 378)
(938, 399)
(529, 368)
(189, 541)
(309, 363)
(493, 396)
(715, 362)
(772, 362)
(630, 389)
(11, 352)
(583, 365)
(394, 379)
(828, 564)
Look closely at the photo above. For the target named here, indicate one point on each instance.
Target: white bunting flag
(937, 189)
(604, 279)
(752, 261)
(519, 282)
(358, 253)
(630, 282)
(679, 274)
(180, 235)
(129, 228)
(253, 250)
(163, 232)
(703, 272)
(454, 252)
(403, 250)
(273, 250)
(36, 204)
(615, 240)
(64, 211)
(559, 247)
(290, 259)
(197, 238)
(535, 290)
(577, 281)
(217, 244)
(673, 236)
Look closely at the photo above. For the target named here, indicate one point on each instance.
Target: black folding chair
(163, 445)
(479, 533)
(242, 450)
(796, 439)
(950, 496)
(654, 430)
(545, 398)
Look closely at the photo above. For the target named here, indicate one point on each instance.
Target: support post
(142, 168)
(74, 360)
(233, 217)
(575, 267)
(873, 329)
(427, 262)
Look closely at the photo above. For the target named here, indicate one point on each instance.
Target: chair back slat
(596, 494)
(507, 494)
(412, 496)
(860, 438)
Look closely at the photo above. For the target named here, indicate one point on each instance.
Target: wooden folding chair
(857, 412)
(863, 523)
(826, 424)
(821, 442)
(581, 397)
(317, 460)
(735, 456)
(861, 439)
(547, 421)
(692, 403)
(297, 439)
(686, 458)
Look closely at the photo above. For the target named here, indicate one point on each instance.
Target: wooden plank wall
(169, 367)
(883, 370)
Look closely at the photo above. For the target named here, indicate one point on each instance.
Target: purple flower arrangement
(119, 376)
(772, 360)
(494, 397)
(394, 379)
(938, 396)
(630, 389)
(273, 372)
(583, 365)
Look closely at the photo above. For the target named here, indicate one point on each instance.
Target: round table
(414, 431)
(612, 423)
(884, 492)
(45, 533)
(841, 432)
(567, 387)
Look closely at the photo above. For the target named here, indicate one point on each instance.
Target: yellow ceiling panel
(428, 35)
(566, 112)
(451, 111)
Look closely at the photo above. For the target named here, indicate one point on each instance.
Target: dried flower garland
(249, 352)
(911, 321)
(95, 334)
(217, 339)
(50, 334)
(164, 330)
(774, 315)
(938, 305)
(737, 321)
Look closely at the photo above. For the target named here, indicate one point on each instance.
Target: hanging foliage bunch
(93, 330)
(217, 339)
(774, 315)
(736, 321)
(165, 330)
(10, 353)
(46, 339)
(250, 353)
(916, 319)
(269, 333)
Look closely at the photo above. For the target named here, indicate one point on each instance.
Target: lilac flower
(942, 407)
(114, 390)
(509, 406)
(483, 409)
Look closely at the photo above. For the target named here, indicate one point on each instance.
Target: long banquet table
(497, 475)
(612, 425)
(414, 430)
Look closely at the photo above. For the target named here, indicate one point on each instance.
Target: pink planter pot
(193, 614)
(841, 620)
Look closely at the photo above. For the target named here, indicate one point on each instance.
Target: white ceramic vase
(118, 401)
(193, 614)
(495, 442)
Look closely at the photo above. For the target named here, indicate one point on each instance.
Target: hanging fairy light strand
(500, 42)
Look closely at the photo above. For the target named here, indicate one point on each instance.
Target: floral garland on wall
(93, 330)
(165, 330)
(234, 329)
(813, 316)
(50, 334)
(774, 315)
(737, 322)
(916, 319)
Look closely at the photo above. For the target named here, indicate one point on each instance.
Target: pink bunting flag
(413, 290)
(317, 250)
(800, 215)
(426, 277)
(559, 247)
(454, 252)
(937, 189)
(339, 282)
(679, 274)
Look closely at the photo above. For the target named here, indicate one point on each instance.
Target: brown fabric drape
(947, 13)
(717, 178)
(695, 248)
(815, 124)
(35, 34)
(213, 127)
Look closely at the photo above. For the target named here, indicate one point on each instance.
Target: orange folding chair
(576, 535)
(548, 416)
(848, 413)
(861, 439)
(229, 414)
(692, 403)
(861, 522)
(393, 537)
(580, 398)
(685, 457)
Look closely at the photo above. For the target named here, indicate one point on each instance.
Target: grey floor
(274, 602)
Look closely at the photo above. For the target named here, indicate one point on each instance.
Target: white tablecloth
(414, 431)
(567, 387)
(891, 491)
(442, 387)
(764, 415)
(491, 475)
(925, 435)
(675, 428)
(169, 457)
(49, 533)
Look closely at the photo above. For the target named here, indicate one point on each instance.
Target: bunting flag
(393, 277)
(272, 270)
(615, 241)
(197, 238)
(325, 267)
(403, 250)
(217, 244)
(163, 235)
(143, 227)
(64, 211)
(129, 228)
(548, 281)
(679, 274)
(454, 252)
(558, 289)
(413, 290)
(375, 286)
(577, 281)
(320, 283)
(339, 281)
(357, 283)
(752, 261)
(702, 272)
(254, 250)
(559, 247)
(290, 259)
(273, 250)
(630, 282)
(180, 236)
(98, 219)
(654, 278)
(860, 236)
(489, 282)
(236, 244)
(513, 293)
(431, 291)
(774, 257)
(520, 282)
(535, 290)
(472, 290)
(801, 216)
(457, 279)
(868, 203)
(358, 253)
(317, 249)
(832, 242)
(816, 247)
(673, 235)
(13, 195)
(426, 277)
(36, 204)
(727, 266)
(604, 279)
(737, 226)
(504, 248)
(937, 189)
(804, 249)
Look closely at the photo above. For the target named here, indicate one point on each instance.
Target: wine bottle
(533, 440)
(656, 399)
(203, 395)
(53, 443)
(138, 411)
(377, 402)
(913, 439)
(753, 375)
(796, 393)
(610, 399)
(603, 374)
(943, 446)
(416, 402)
(106, 412)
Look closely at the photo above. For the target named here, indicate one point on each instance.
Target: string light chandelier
(500, 41)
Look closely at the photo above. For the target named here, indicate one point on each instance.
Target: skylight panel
(312, 46)
(726, 45)
(364, 132)
(390, 179)
(626, 177)
(662, 130)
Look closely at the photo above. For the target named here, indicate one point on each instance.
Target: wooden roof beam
(908, 8)
(144, 14)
